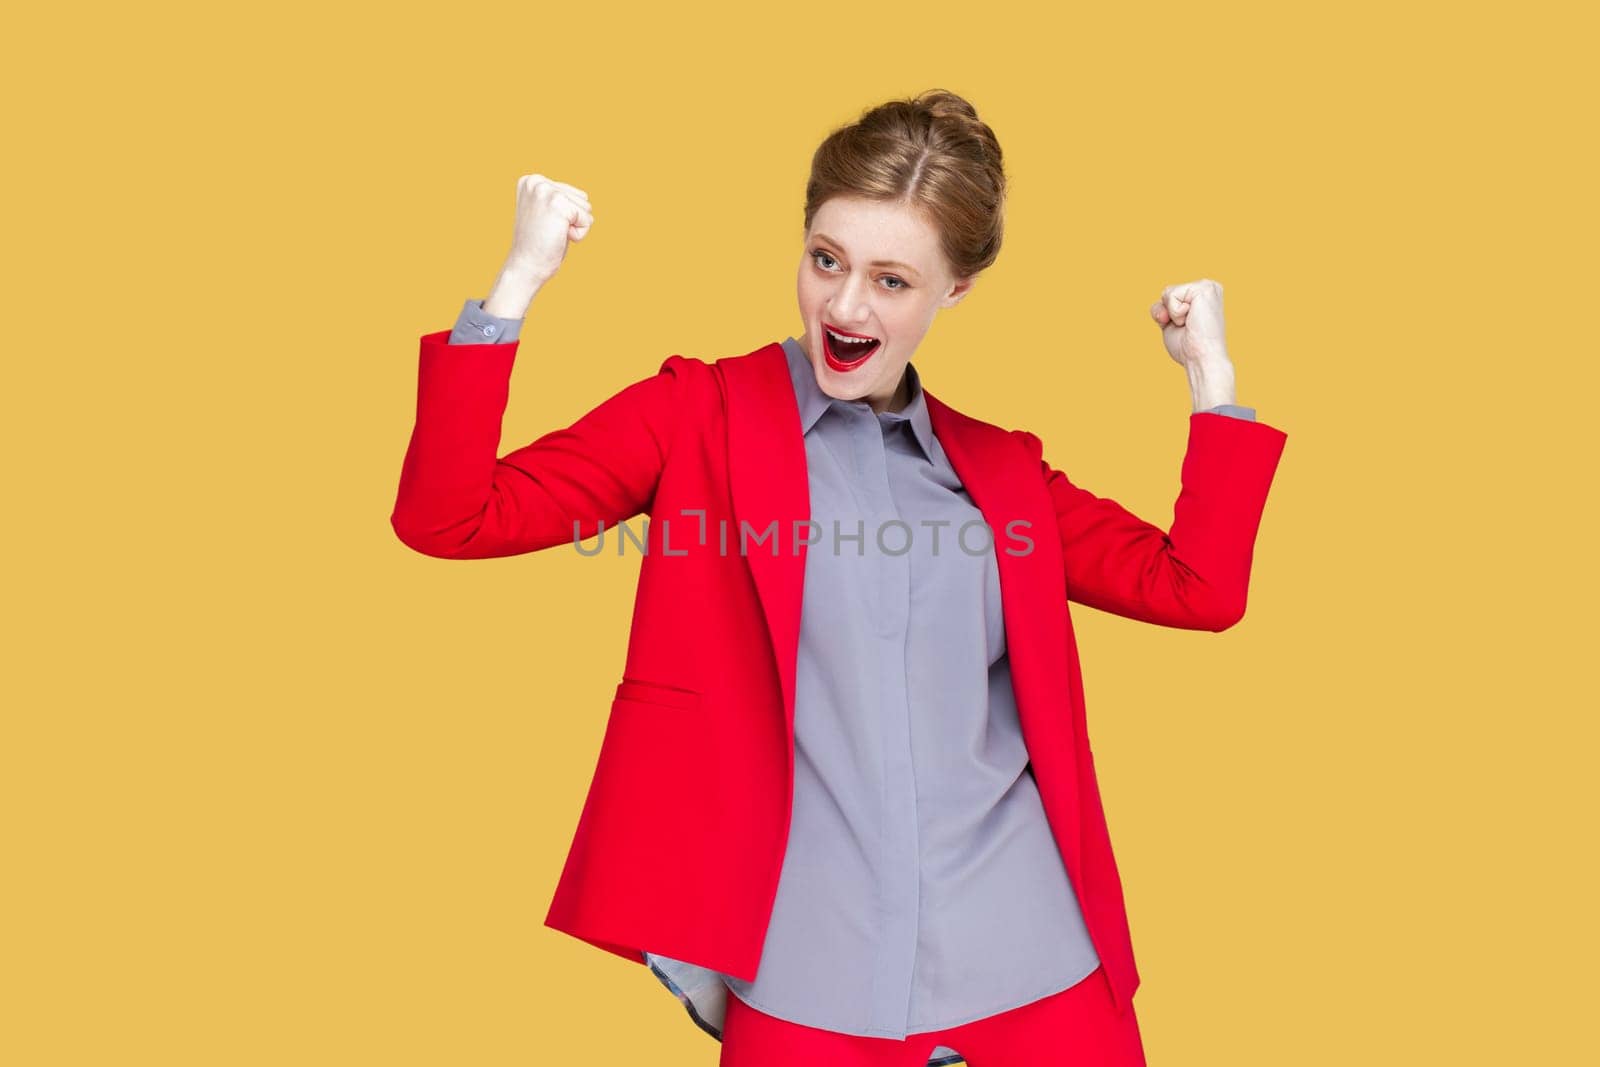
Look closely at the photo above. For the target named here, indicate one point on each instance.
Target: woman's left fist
(1190, 317)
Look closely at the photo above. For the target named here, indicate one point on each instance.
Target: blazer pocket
(656, 693)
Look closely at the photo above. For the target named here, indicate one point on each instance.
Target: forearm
(1211, 382)
(513, 291)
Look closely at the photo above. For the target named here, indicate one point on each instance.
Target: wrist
(1211, 381)
(513, 290)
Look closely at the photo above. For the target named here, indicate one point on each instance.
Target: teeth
(842, 337)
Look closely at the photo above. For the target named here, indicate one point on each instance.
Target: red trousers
(1077, 1027)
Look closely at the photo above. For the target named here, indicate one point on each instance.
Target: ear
(960, 289)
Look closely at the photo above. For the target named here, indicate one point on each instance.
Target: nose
(850, 307)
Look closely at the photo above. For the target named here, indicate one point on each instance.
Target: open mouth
(846, 351)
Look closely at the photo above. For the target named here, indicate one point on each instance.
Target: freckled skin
(835, 284)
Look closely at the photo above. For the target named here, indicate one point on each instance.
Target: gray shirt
(922, 887)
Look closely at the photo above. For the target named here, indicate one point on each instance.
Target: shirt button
(488, 330)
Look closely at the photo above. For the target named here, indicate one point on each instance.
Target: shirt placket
(900, 873)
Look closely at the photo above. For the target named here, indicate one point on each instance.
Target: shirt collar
(813, 401)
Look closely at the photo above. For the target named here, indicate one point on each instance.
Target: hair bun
(941, 103)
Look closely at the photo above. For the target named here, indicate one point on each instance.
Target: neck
(898, 399)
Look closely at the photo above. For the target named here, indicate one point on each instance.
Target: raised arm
(1194, 576)
(456, 498)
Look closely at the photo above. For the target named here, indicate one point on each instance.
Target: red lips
(846, 355)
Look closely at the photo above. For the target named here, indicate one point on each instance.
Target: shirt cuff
(1237, 411)
(475, 326)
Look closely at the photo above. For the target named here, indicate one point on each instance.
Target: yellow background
(279, 790)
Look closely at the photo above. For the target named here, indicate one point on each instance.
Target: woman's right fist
(549, 214)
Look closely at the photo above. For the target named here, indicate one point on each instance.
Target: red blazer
(707, 690)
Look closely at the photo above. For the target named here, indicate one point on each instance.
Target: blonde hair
(930, 152)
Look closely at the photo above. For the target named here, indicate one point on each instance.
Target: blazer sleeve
(1194, 576)
(458, 500)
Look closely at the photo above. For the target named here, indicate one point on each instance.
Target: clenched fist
(1190, 317)
(550, 214)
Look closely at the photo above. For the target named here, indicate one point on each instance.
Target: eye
(900, 283)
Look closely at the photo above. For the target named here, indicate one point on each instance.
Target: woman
(850, 649)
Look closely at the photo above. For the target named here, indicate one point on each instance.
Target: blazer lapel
(768, 480)
(993, 469)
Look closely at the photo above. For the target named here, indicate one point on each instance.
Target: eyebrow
(875, 263)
